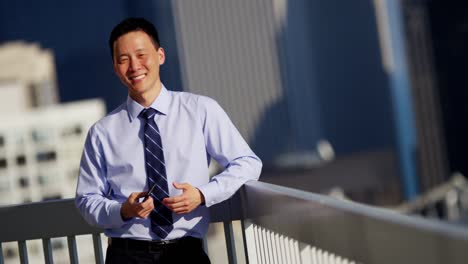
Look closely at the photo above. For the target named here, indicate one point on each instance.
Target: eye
(122, 60)
(142, 55)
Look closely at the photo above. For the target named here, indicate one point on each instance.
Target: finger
(135, 195)
(175, 206)
(143, 215)
(173, 199)
(137, 208)
(146, 215)
(143, 209)
(180, 212)
(148, 202)
(146, 212)
(182, 186)
(131, 199)
(141, 194)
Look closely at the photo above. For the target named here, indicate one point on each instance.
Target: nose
(134, 64)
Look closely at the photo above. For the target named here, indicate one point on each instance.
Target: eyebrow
(126, 54)
(121, 55)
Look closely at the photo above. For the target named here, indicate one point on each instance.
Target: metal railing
(448, 201)
(46, 220)
(284, 225)
(280, 225)
(59, 218)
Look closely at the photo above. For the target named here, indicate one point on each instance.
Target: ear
(162, 56)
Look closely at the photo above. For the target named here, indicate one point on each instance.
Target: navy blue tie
(161, 216)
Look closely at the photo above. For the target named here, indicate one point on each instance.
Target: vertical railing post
(248, 234)
(72, 250)
(230, 243)
(23, 252)
(229, 233)
(205, 246)
(249, 242)
(98, 254)
(305, 250)
(1, 253)
(269, 245)
(284, 255)
(47, 248)
(263, 239)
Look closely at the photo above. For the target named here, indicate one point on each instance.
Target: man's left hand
(190, 199)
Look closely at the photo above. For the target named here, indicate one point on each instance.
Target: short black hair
(133, 24)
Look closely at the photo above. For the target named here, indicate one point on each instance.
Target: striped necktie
(161, 216)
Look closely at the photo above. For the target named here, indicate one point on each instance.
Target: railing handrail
(60, 218)
(65, 219)
(55, 218)
(364, 233)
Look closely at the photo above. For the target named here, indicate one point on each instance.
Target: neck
(147, 98)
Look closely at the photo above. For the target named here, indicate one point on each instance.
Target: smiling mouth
(138, 77)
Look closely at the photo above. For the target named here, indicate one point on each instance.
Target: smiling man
(144, 170)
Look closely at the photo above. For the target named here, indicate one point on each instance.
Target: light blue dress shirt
(193, 130)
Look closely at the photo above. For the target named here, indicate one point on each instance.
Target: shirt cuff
(115, 216)
(209, 192)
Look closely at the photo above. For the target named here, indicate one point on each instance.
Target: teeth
(138, 77)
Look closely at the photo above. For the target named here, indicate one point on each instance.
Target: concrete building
(40, 140)
(27, 77)
(40, 152)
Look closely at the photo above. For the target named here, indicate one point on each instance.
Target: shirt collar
(161, 104)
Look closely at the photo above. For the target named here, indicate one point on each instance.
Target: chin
(136, 87)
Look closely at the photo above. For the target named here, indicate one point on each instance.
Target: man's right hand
(133, 208)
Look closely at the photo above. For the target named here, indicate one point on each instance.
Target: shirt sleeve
(92, 188)
(226, 145)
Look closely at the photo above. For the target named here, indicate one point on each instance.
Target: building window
(72, 131)
(41, 135)
(24, 182)
(3, 163)
(42, 179)
(46, 156)
(20, 160)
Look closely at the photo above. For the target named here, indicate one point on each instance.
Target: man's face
(136, 63)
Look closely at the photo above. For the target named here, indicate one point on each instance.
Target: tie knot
(148, 113)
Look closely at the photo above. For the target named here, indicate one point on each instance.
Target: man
(144, 170)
